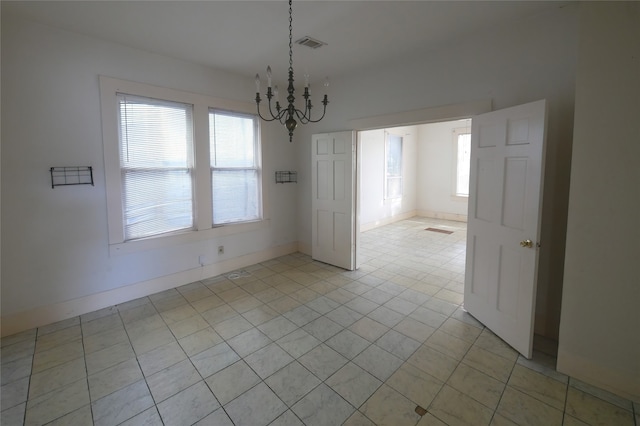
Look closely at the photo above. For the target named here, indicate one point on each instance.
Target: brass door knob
(526, 243)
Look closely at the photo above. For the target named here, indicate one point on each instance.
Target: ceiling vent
(310, 42)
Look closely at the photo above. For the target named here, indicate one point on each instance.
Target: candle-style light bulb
(306, 79)
(326, 83)
(257, 83)
(275, 92)
(269, 76)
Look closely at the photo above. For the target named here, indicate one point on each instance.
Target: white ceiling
(243, 37)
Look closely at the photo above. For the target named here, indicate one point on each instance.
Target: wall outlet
(220, 250)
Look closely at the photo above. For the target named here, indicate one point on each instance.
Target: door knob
(526, 243)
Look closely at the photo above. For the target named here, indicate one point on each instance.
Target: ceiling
(243, 37)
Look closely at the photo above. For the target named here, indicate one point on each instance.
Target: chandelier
(287, 115)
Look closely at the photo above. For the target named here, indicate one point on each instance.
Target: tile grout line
(139, 366)
(86, 369)
(187, 356)
(495, 411)
(33, 357)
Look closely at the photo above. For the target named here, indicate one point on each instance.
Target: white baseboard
(619, 382)
(304, 248)
(43, 315)
(387, 221)
(442, 215)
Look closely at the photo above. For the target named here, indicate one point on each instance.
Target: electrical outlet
(220, 250)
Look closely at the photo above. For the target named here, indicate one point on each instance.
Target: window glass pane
(394, 155)
(394, 187)
(234, 173)
(156, 202)
(235, 195)
(154, 133)
(463, 164)
(233, 140)
(156, 140)
(393, 169)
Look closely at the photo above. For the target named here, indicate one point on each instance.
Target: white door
(333, 199)
(505, 198)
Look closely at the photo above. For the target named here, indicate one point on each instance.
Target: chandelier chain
(290, 36)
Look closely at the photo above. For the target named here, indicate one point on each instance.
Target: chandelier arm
(275, 116)
(304, 117)
(282, 117)
(325, 101)
(260, 114)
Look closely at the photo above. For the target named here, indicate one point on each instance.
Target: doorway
(500, 279)
(412, 199)
(407, 171)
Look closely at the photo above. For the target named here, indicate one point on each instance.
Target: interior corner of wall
(304, 248)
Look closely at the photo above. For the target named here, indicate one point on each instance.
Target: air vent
(310, 42)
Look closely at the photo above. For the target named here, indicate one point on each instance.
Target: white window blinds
(156, 163)
(393, 151)
(235, 176)
(463, 164)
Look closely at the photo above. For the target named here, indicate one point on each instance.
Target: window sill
(456, 197)
(152, 243)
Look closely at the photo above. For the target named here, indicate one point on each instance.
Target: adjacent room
(160, 245)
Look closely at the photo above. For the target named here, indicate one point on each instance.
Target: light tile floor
(292, 341)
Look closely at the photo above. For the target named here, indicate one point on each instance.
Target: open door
(505, 197)
(333, 199)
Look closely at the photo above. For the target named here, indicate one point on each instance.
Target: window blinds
(393, 166)
(156, 163)
(463, 164)
(234, 168)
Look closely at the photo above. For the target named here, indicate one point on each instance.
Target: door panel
(507, 151)
(333, 199)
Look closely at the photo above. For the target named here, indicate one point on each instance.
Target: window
(156, 145)
(462, 142)
(234, 170)
(393, 166)
(178, 165)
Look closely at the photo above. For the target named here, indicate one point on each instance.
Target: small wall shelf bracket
(286, 177)
(74, 175)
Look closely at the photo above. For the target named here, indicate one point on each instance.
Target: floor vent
(420, 411)
(239, 274)
(442, 231)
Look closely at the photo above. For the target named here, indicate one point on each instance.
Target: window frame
(203, 218)
(386, 168)
(189, 165)
(257, 166)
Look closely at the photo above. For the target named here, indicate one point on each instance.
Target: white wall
(599, 329)
(522, 62)
(428, 175)
(54, 241)
(436, 171)
(374, 209)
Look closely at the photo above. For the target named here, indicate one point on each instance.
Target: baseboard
(442, 215)
(43, 315)
(619, 382)
(304, 248)
(387, 221)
